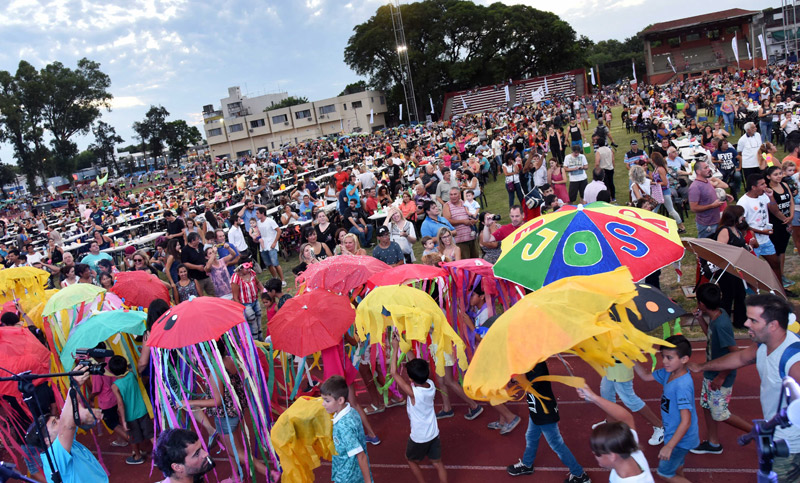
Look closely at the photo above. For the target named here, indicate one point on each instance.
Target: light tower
(402, 55)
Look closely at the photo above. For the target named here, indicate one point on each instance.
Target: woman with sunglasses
(141, 261)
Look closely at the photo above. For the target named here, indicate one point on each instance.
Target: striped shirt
(248, 290)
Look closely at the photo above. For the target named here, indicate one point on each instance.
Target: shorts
(796, 219)
(669, 468)
(609, 390)
(226, 425)
(787, 469)
(140, 429)
(765, 249)
(419, 451)
(716, 401)
(111, 417)
(270, 257)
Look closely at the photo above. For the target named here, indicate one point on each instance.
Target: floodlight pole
(402, 56)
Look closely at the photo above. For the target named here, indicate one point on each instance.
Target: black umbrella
(654, 307)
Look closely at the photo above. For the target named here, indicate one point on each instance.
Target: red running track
(474, 453)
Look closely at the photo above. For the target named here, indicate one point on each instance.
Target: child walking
(131, 407)
(424, 438)
(350, 464)
(677, 407)
(543, 419)
(616, 444)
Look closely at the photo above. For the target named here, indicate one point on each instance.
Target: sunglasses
(138, 260)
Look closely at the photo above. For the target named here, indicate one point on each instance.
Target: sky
(183, 54)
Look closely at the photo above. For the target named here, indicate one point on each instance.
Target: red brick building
(699, 44)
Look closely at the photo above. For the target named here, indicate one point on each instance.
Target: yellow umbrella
(415, 315)
(23, 283)
(569, 315)
(302, 436)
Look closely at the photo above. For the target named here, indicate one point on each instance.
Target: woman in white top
(402, 232)
(511, 172)
(640, 185)
(615, 443)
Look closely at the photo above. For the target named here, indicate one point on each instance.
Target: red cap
(9, 307)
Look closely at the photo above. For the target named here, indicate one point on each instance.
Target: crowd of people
(418, 195)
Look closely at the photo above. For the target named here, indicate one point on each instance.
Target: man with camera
(55, 437)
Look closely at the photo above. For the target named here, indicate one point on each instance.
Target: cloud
(124, 102)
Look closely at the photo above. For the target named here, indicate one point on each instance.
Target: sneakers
(519, 469)
(787, 283)
(119, 444)
(283, 283)
(134, 461)
(598, 424)
(657, 437)
(495, 425)
(707, 448)
(473, 413)
(445, 414)
(507, 428)
(373, 440)
(584, 478)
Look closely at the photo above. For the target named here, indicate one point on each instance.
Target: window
(272, 143)
(383, 100)
(327, 109)
(357, 105)
(280, 119)
(733, 29)
(244, 153)
(692, 37)
(257, 123)
(345, 106)
(235, 128)
(371, 99)
(713, 34)
(217, 131)
(234, 106)
(302, 114)
(653, 45)
(674, 41)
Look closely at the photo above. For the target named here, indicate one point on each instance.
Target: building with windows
(704, 43)
(246, 125)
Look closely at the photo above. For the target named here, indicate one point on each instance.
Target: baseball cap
(9, 307)
(383, 230)
(130, 250)
(633, 141)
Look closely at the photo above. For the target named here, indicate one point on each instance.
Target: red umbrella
(404, 273)
(139, 288)
(311, 322)
(21, 351)
(341, 274)
(201, 319)
(478, 266)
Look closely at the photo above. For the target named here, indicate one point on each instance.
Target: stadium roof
(697, 20)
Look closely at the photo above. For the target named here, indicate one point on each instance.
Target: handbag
(657, 193)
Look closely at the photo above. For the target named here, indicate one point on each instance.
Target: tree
(355, 87)
(21, 117)
(156, 120)
(455, 44)
(179, 136)
(105, 139)
(143, 130)
(131, 148)
(85, 159)
(7, 176)
(73, 99)
(288, 102)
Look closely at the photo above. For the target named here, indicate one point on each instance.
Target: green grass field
(497, 199)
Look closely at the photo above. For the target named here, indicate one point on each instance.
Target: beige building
(244, 126)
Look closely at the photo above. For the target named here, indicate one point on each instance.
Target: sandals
(373, 409)
(401, 402)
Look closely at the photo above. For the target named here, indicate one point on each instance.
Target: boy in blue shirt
(350, 464)
(131, 407)
(677, 407)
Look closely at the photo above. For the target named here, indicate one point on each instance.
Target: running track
(473, 453)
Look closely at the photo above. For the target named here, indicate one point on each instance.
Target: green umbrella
(101, 327)
(71, 296)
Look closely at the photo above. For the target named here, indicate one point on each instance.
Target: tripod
(25, 384)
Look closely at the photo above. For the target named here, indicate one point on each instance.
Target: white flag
(401, 112)
(372, 116)
(463, 103)
(341, 125)
(633, 65)
(763, 48)
(431, 99)
(749, 56)
(591, 71)
(669, 59)
(538, 95)
(735, 47)
(508, 98)
(546, 89)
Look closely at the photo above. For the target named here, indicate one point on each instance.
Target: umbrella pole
(569, 369)
(722, 272)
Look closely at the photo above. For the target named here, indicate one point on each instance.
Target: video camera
(85, 356)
